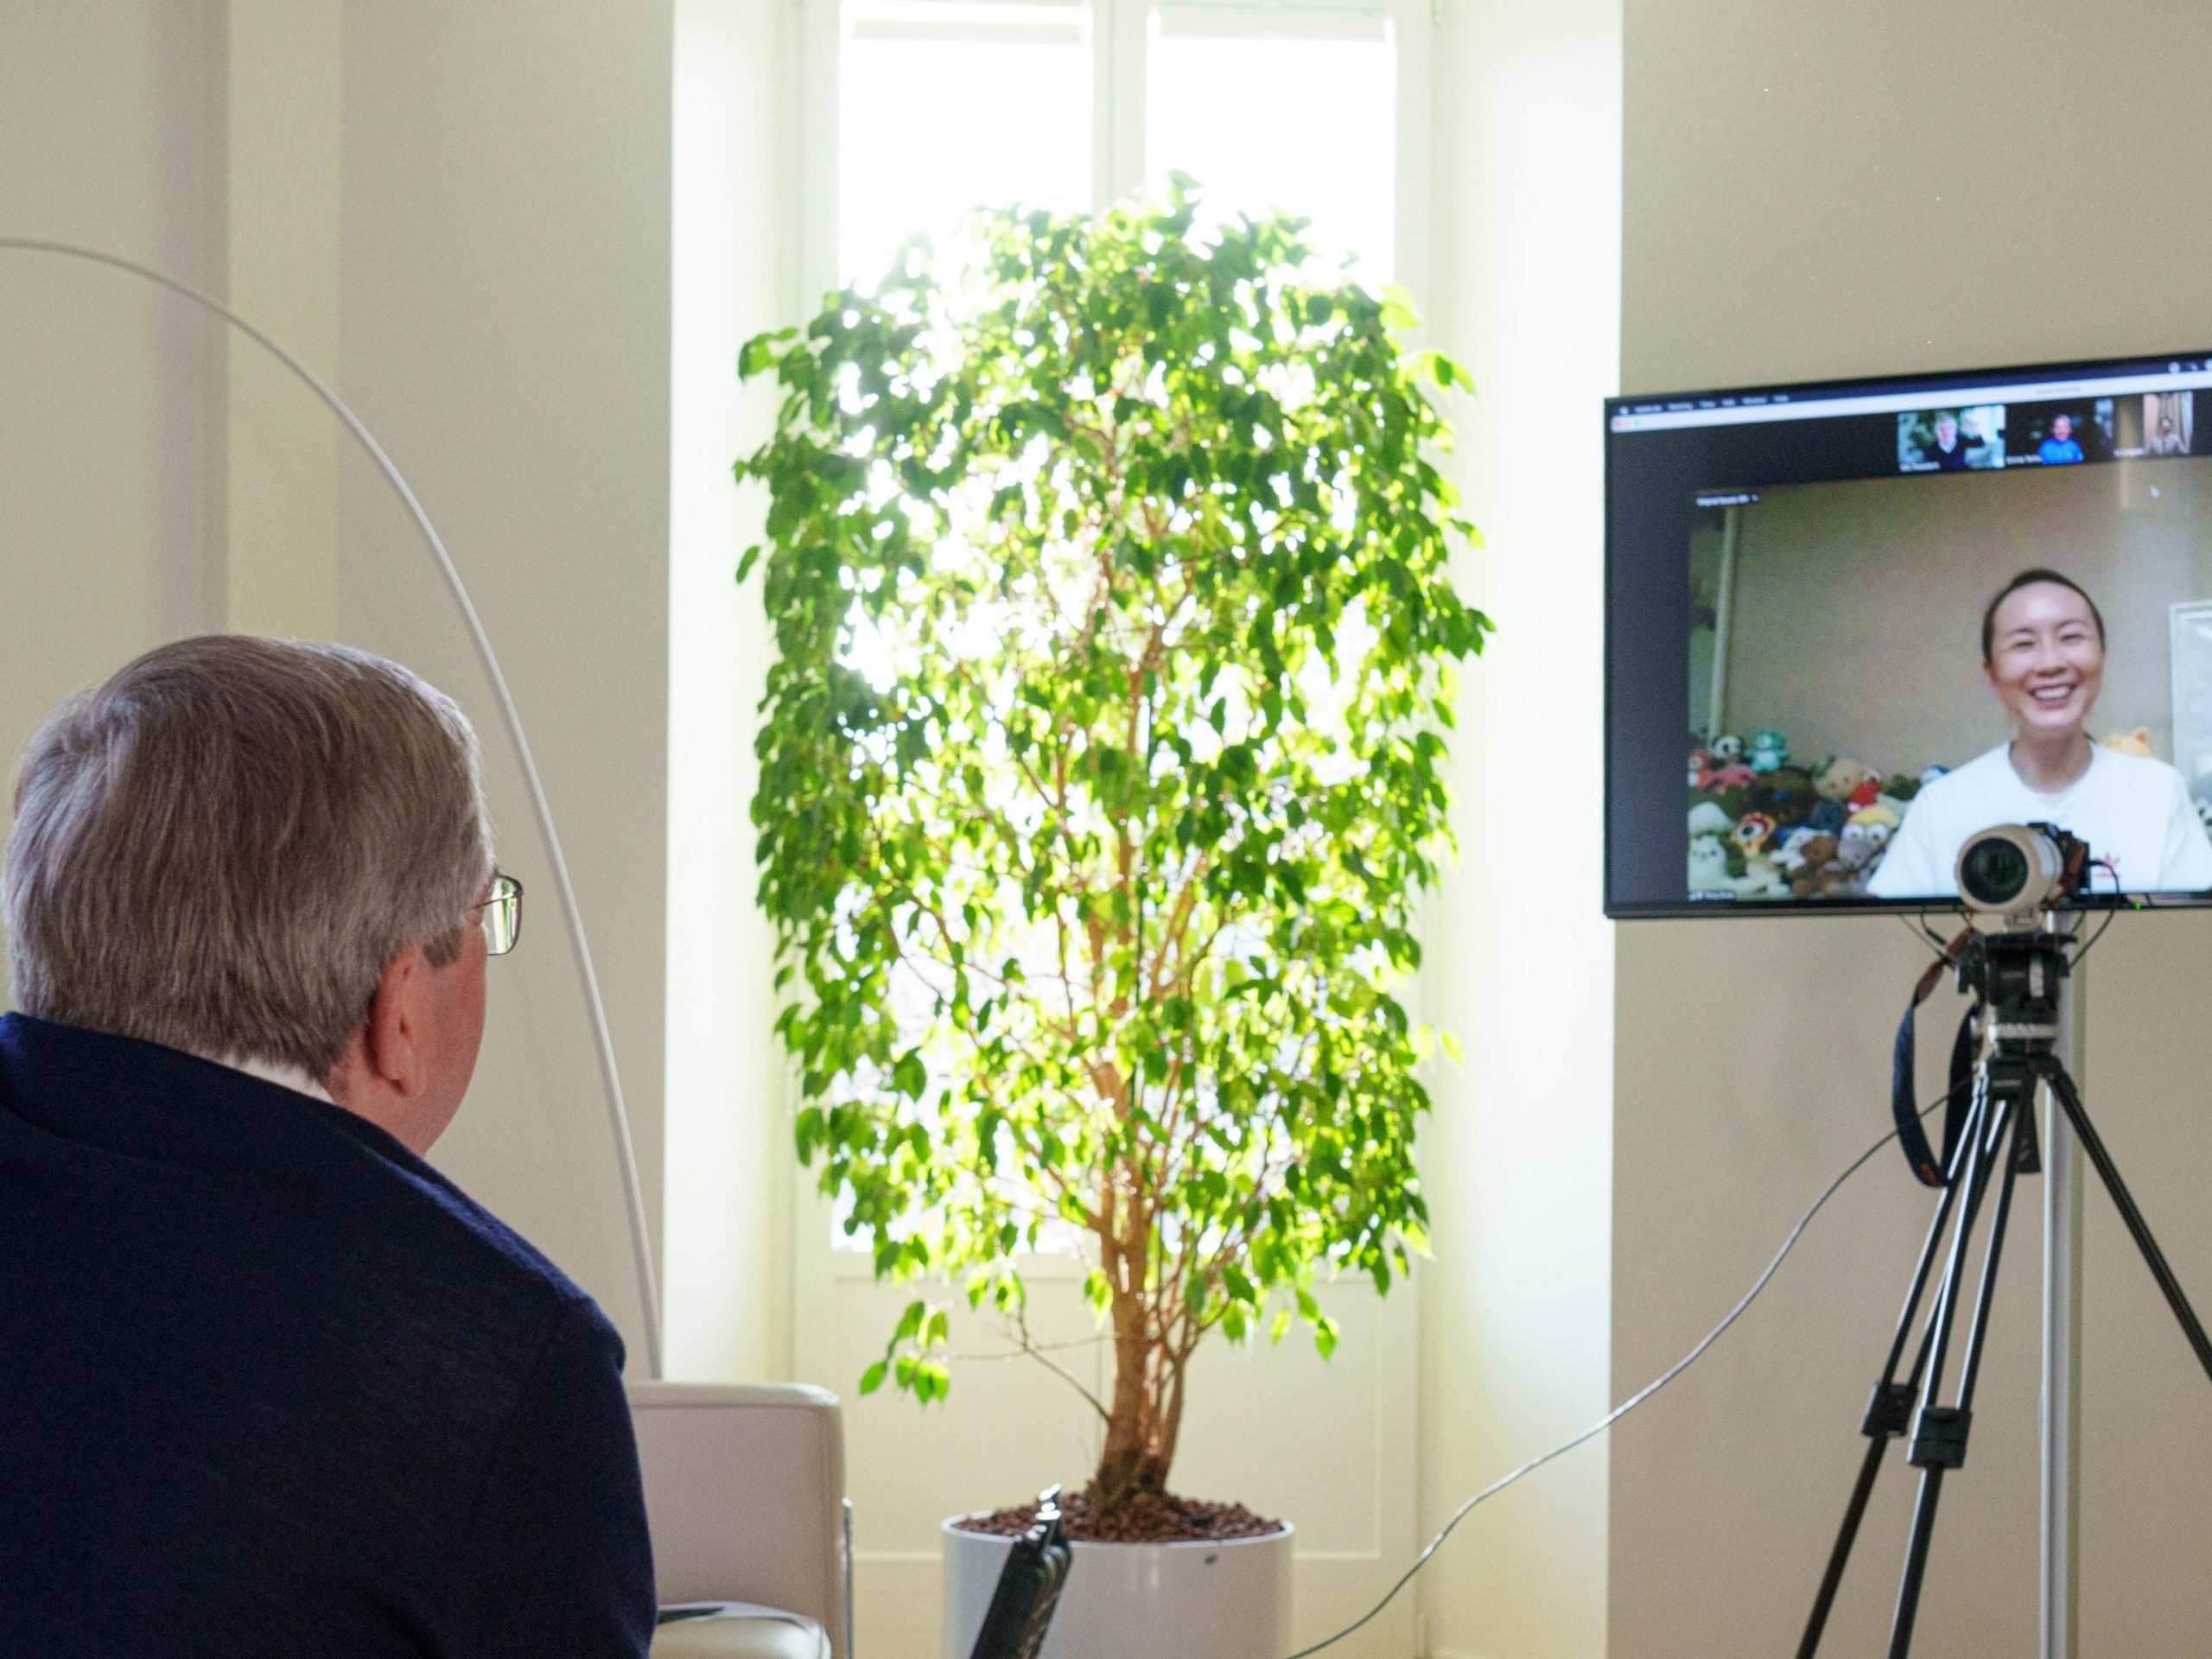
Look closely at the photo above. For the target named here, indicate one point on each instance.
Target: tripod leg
(2062, 1086)
(1939, 1440)
(2021, 1158)
(1889, 1412)
(1887, 1415)
(1916, 1561)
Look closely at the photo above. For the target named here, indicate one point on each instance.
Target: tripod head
(2015, 979)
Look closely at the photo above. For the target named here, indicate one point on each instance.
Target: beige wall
(1857, 612)
(1819, 190)
(284, 135)
(110, 392)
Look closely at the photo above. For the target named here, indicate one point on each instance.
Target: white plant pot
(1228, 1599)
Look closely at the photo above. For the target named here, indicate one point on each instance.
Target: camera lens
(1994, 871)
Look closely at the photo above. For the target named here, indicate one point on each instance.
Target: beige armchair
(745, 1490)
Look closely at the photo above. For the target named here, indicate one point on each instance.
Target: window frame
(1120, 37)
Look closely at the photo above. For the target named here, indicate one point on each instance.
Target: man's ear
(391, 1036)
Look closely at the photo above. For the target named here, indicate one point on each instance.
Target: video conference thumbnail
(1988, 436)
(1867, 688)
(1951, 440)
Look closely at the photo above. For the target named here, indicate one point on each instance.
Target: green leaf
(910, 1077)
(758, 354)
(909, 1322)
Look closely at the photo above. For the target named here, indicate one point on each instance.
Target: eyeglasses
(502, 918)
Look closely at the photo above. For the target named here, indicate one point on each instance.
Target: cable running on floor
(1633, 1400)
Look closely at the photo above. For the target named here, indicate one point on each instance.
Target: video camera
(2019, 871)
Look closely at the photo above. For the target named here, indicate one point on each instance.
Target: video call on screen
(1797, 583)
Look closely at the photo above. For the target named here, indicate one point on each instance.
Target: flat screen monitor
(1851, 623)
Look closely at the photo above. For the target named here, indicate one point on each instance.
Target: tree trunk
(1140, 1426)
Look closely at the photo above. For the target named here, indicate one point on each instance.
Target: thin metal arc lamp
(625, 1151)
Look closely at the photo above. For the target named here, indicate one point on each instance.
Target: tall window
(941, 105)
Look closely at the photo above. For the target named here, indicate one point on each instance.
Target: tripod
(2015, 978)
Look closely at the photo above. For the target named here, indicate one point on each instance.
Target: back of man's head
(220, 847)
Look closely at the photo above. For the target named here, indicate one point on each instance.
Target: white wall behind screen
(727, 1162)
(1517, 1160)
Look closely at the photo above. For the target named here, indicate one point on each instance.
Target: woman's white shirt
(2134, 812)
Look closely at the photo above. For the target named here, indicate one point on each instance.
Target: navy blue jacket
(270, 1384)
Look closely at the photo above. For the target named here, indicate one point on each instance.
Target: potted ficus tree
(1101, 772)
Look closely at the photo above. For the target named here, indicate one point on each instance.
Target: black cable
(1917, 926)
(2111, 915)
(1634, 1400)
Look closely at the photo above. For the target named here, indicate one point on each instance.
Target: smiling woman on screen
(2042, 651)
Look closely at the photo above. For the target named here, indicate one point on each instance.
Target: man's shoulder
(227, 1179)
(497, 1290)
(448, 1222)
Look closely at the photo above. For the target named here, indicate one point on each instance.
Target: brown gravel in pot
(1152, 1519)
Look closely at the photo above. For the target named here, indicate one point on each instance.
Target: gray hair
(220, 847)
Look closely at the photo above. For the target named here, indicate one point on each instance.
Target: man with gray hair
(269, 1384)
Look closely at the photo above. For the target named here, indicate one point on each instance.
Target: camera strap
(1904, 1107)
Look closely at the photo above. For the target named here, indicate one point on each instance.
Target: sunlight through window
(1281, 107)
(946, 107)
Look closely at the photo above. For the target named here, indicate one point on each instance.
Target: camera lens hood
(2014, 869)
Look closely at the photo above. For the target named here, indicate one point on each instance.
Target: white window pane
(942, 108)
(1281, 108)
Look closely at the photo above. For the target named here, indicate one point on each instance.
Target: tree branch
(1043, 1356)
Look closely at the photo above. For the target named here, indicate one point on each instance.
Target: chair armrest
(745, 1490)
(741, 1631)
